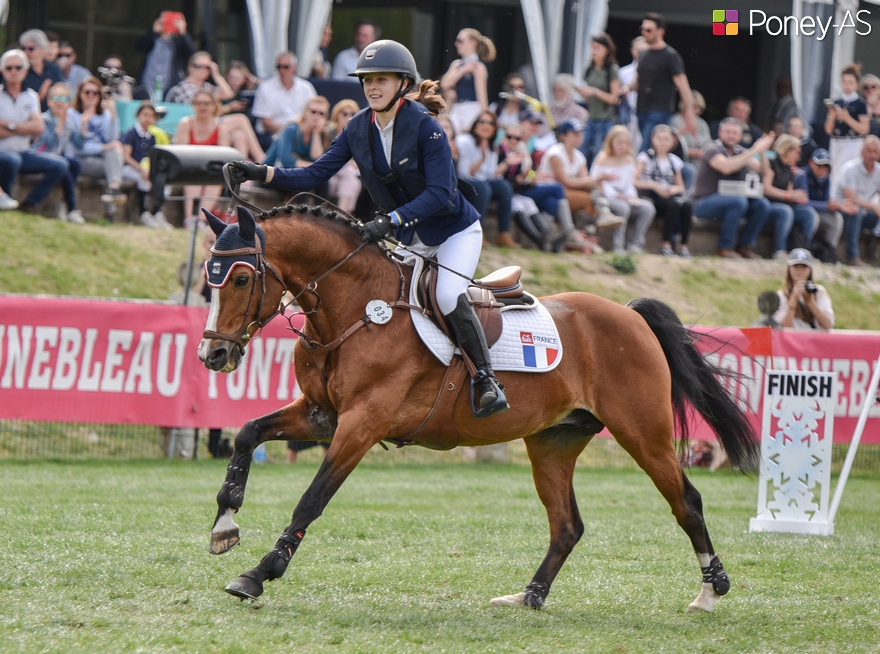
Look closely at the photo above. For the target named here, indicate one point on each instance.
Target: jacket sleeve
(327, 165)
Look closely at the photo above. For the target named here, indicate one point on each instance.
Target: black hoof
(245, 588)
(721, 584)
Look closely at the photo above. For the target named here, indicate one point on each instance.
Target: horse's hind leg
(294, 422)
(553, 454)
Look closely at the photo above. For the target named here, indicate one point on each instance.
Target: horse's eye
(242, 280)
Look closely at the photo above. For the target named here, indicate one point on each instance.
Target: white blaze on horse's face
(211, 324)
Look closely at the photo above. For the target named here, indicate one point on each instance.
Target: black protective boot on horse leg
(487, 394)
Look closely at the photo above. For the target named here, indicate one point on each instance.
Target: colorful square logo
(725, 22)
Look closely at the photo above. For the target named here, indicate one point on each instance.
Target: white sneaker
(147, 220)
(113, 196)
(607, 220)
(780, 255)
(7, 203)
(75, 217)
(632, 248)
(161, 221)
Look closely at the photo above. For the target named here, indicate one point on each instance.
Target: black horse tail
(694, 380)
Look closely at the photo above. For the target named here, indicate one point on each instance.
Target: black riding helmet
(387, 56)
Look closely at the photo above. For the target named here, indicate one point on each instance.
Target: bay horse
(633, 369)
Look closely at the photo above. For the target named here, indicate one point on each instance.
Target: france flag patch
(538, 351)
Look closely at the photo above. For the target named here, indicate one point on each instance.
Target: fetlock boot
(533, 227)
(566, 226)
(487, 394)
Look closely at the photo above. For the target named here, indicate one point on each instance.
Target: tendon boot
(533, 227)
(566, 226)
(487, 394)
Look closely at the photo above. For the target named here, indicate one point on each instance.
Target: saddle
(498, 289)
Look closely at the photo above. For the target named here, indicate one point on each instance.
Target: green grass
(112, 557)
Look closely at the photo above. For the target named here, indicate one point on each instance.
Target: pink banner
(100, 361)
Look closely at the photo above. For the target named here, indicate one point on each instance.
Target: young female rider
(406, 165)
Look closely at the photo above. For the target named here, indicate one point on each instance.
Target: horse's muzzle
(221, 358)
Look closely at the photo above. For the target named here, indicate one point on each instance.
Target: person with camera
(803, 304)
(168, 48)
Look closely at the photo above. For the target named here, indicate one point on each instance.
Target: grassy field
(112, 557)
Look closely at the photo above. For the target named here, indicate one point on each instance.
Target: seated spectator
(537, 135)
(726, 159)
(136, 145)
(479, 166)
(201, 69)
(846, 122)
(627, 76)
(464, 84)
(692, 146)
(41, 74)
(116, 80)
(601, 89)
(74, 74)
(508, 107)
(21, 120)
(346, 185)
(788, 205)
(449, 130)
(803, 304)
(562, 104)
(244, 87)
(783, 109)
(870, 87)
(302, 142)
(365, 32)
(795, 127)
(740, 109)
(202, 128)
(515, 164)
(59, 130)
(658, 178)
(859, 182)
(566, 164)
(168, 48)
(100, 155)
(815, 181)
(616, 165)
(281, 99)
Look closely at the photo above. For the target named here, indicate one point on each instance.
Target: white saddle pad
(529, 340)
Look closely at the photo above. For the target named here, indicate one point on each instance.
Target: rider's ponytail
(428, 95)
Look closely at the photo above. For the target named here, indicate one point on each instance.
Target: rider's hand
(242, 171)
(377, 229)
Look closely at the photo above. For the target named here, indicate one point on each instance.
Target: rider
(406, 165)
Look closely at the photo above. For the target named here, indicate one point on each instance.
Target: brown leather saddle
(488, 296)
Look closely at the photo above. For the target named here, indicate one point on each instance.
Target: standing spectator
(658, 178)
(788, 206)
(846, 122)
(726, 159)
(660, 73)
(42, 74)
(692, 144)
(201, 68)
(281, 99)
(303, 141)
(53, 45)
(616, 166)
(740, 109)
(859, 182)
(94, 116)
(815, 181)
(803, 304)
(168, 48)
(627, 77)
(562, 104)
(870, 86)
(478, 165)
(346, 184)
(74, 74)
(20, 120)
(60, 130)
(365, 32)
(601, 93)
(796, 128)
(464, 84)
(509, 107)
(321, 66)
(136, 145)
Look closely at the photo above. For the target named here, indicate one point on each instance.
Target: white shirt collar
(851, 97)
(387, 134)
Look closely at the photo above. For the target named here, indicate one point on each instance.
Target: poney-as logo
(725, 22)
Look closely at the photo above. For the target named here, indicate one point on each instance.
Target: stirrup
(499, 405)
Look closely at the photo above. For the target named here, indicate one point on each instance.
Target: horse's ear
(247, 226)
(214, 222)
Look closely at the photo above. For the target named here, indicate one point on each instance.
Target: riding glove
(242, 171)
(377, 229)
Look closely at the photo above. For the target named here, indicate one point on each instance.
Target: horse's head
(243, 296)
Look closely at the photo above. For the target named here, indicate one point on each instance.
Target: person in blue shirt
(815, 179)
(406, 164)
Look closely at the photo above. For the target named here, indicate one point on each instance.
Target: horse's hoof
(705, 600)
(245, 588)
(509, 600)
(224, 541)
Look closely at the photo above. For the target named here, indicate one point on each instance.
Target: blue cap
(571, 125)
(820, 157)
(531, 116)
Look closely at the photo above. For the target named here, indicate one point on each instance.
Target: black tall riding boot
(533, 227)
(487, 394)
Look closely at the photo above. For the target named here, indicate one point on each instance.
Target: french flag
(536, 356)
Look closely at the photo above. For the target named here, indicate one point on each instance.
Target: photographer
(115, 79)
(168, 48)
(803, 304)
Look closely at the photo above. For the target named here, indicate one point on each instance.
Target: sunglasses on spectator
(90, 92)
(513, 138)
(14, 68)
(60, 98)
(485, 122)
(871, 87)
(29, 48)
(283, 66)
(200, 66)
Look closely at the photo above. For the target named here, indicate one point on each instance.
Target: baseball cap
(821, 157)
(531, 116)
(800, 256)
(570, 126)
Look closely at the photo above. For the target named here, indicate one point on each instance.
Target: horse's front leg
(301, 420)
(353, 439)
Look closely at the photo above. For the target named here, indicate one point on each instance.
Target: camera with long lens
(810, 287)
(113, 77)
